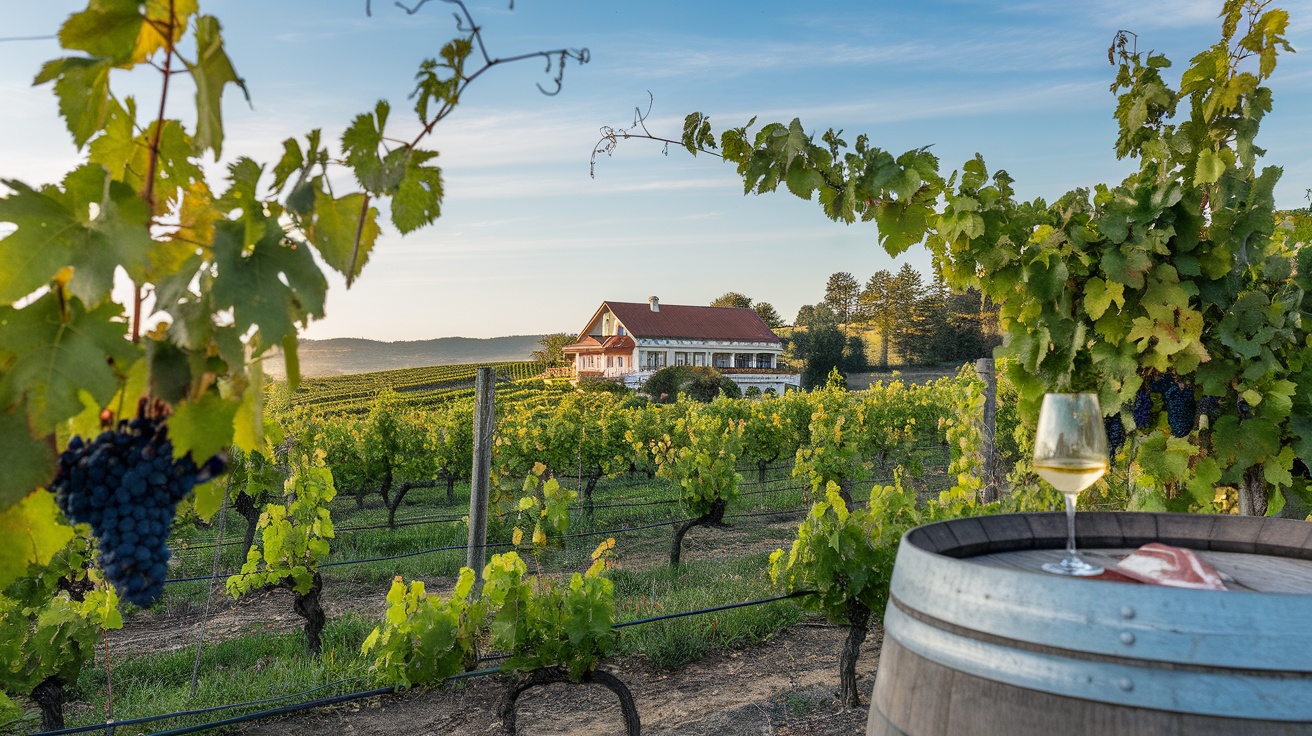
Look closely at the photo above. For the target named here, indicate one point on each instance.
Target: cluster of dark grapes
(1115, 434)
(126, 485)
(1181, 410)
(1209, 405)
(1142, 409)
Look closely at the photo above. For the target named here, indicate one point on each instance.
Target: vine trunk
(49, 696)
(307, 606)
(714, 517)
(553, 675)
(858, 616)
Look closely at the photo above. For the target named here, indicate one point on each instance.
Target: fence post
(481, 475)
(984, 368)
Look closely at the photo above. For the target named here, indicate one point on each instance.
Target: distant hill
(344, 355)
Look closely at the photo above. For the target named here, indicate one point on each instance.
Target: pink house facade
(629, 341)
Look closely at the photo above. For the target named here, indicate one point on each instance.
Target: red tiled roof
(612, 344)
(585, 343)
(699, 323)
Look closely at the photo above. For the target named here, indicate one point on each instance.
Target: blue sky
(529, 243)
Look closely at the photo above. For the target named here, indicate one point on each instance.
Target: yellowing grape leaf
(30, 532)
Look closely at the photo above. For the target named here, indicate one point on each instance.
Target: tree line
(914, 323)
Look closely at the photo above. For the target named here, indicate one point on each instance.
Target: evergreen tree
(877, 306)
(768, 315)
(842, 293)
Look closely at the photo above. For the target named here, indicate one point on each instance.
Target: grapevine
(1181, 409)
(1142, 409)
(1115, 429)
(126, 484)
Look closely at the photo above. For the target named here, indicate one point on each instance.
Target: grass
(721, 566)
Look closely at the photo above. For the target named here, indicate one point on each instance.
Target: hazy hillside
(355, 355)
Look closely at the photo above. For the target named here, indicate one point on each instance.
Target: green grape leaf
(379, 175)
(1210, 167)
(107, 28)
(335, 228)
(248, 432)
(52, 354)
(29, 462)
(418, 199)
(82, 86)
(54, 230)
(292, 361)
(212, 72)
(209, 497)
(1203, 485)
(252, 284)
(202, 427)
(30, 532)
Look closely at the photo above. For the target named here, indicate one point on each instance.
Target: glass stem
(1070, 525)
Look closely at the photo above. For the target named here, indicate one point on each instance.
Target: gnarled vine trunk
(49, 696)
(1252, 492)
(715, 517)
(593, 476)
(450, 479)
(245, 505)
(394, 503)
(307, 606)
(552, 675)
(858, 616)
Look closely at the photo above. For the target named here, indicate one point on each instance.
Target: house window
(742, 360)
(620, 361)
(721, 360)
(610, 362)
(619, 330)
(699, 358)
(681, 359)
(590, 364)
(655, 360)
(764, 360)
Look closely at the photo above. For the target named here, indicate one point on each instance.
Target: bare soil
(786, 686)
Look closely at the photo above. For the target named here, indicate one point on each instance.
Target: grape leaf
(252, 284)
(160, 14)
(54, 231)
(82, 86)
(107, 28)
(52, 353)
(211, 72)
(30, 532)
(334, 228)
(418, 198)
(202, 427)
(29, 463)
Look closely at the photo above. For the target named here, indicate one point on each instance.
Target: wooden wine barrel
(978, 640)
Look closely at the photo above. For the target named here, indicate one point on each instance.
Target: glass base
(1072, 565)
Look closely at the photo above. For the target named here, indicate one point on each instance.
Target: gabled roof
(612, 344)
(698, 323)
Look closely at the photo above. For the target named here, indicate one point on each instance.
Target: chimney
(655, 303)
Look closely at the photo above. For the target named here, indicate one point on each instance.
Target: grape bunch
(1142, 409)
(1209, 405)
(1115, 434)
(126, 485)
(1181, 410)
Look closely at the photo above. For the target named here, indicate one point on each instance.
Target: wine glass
(1070, 452)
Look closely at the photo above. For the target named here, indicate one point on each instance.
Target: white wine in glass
(1070, 452)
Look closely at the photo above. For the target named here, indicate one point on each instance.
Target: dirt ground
(786, 686)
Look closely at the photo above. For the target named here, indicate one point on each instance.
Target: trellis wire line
(415, 522)
(448, 548)
(713, 609)
(195, 712)
(209, 590)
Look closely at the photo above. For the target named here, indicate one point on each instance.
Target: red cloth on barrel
(1160, 564)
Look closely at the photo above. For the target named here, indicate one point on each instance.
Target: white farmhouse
(628, 341)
